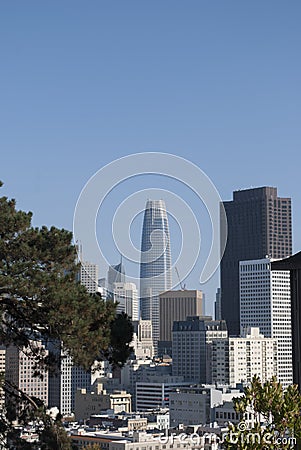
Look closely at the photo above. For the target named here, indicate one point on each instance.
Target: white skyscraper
(126, 295)
(89, 276)
(265, 302)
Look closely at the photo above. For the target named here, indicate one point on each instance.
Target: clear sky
(83, 83)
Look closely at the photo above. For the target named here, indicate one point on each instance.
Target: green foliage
(40, 297)
(276, 408)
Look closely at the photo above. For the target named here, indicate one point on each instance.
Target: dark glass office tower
(155, 267)
(259, 225)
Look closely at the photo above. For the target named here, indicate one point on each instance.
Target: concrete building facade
(143, 339)
(265, 302)
(89, 276)
(89, 403)
(176, 306)
(293, 266)
(238, 360)
(20, 367)
(191, 347)
(126, 295)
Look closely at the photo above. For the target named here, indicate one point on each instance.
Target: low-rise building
(196, 404)
(145, 441)
(155, 394)
(88, 403)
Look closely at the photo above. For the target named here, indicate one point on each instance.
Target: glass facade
(155, 267)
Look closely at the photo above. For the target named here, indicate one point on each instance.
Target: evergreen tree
(277, 419)
(40, 298)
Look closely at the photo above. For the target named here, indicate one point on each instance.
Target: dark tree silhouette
(40, 298)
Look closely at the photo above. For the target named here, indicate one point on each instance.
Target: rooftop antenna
(182, 285)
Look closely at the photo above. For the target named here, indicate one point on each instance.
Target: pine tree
(40, 298)
(277, 417)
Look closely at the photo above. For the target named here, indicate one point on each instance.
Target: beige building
(175, 306)
(143, 339)
(145, 441)
(20, 367)
(88, 403)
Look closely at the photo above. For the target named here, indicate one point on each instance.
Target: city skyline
(205, 86)
(150, 205)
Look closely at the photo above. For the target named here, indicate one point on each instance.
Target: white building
(146, 441)
(154, 395)
(237, 360)
(126, 295)
(265, 302)
(89, 276)
(71, 378)
(64, 383)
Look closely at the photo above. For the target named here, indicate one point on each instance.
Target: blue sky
(83, 83)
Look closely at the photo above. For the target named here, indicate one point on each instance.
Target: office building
(143, 339)
(259, 225)
(265, 302)
(218, 305)
(292, 266)
(155, 394)
(126, 295)
(192, 345)
(89, 276)
(177, 306)
(20, 367)
(65, 381)
(116, 274)
(98, 399)
(238, 360)
(155, 267)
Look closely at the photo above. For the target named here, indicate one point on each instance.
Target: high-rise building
(126, 295)
(259, 225)
(64, 383)
(293, 265)
(142, 343)
(238, 360)
(155, 267)
(175, 306)
(116, 274)
(265, 302)
(217, 305)
(89, 276)
(20, 366)
(192, 345)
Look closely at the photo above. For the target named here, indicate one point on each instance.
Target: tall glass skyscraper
(155, 267)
